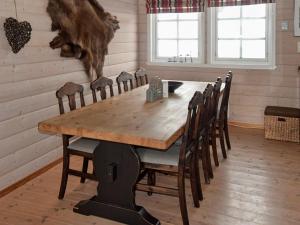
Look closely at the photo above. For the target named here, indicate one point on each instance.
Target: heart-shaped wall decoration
(17, 33)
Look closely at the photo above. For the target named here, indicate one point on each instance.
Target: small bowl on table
(173, 85)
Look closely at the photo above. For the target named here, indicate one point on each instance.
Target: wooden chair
(212, 121)
(179, 159)
(124, 77)
(100, 85)
(211, 106)
(204, 137)
(222, 120)
(81, 147)
(141, 77)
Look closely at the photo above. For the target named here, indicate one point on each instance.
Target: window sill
(220, 66)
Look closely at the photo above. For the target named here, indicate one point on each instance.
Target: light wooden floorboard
(259, 184)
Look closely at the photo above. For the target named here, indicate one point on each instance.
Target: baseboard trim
(29, 178)
(246, 125)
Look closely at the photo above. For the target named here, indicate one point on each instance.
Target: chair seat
(179, 140)
(219, 109)
(84, 145)
(170, 157)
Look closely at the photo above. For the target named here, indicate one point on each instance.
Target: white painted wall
(252, 90)
(28, 82)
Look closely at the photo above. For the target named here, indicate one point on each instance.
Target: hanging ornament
(17, 33)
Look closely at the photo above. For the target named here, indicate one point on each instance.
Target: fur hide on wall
(85, 31)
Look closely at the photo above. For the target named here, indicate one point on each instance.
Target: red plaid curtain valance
(220, 3)
(174, 6)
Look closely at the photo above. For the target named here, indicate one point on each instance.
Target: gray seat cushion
(84, 145)
(219, 107)
(170, 157)
(179, 141)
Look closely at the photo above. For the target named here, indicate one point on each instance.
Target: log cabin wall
(252, 90)
(28, 82)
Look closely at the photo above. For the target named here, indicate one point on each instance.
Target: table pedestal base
(128, 216)
(117, 168)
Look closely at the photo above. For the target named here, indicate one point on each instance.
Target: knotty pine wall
(252, 90)
(28, 82)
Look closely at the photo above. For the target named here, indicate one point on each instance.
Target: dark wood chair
(204, 137)
(213, 119)
(124, 78)
(100, 85)
(80, 147)
(212, 123)
(222, 120)
(179, 159)
(141, 77)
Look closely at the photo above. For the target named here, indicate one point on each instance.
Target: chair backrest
(100, 85)
(124, 77)
(207, 98)
(190, 138)
(141, 77)
(215, 100)
(70, 89)
(226, 94)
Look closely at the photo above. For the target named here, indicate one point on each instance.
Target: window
(242, 35)
(175, 38)
(236, 36)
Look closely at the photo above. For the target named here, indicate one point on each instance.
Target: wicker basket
(282, 123)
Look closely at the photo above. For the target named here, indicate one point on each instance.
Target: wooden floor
(259, 184)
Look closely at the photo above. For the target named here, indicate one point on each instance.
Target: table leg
(117, 168)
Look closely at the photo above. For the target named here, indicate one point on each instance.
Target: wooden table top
(129, 119)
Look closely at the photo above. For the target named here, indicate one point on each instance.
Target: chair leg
(194, 183)
(208, 160)
(182, 199)
(198, 179)
(64, 177)
(222, 143)
(204, 163)
(85, 165)
(214, 145)
(94, 170)
(226, 131)
(151, 179)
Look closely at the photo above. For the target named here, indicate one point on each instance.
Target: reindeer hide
(85, 31)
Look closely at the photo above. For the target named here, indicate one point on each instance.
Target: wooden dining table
(120, 124)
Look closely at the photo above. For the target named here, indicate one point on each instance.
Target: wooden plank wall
(252, 90)
(28, 82)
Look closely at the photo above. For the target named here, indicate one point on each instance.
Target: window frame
(207, 46)
(153, 39)
(212, 37)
